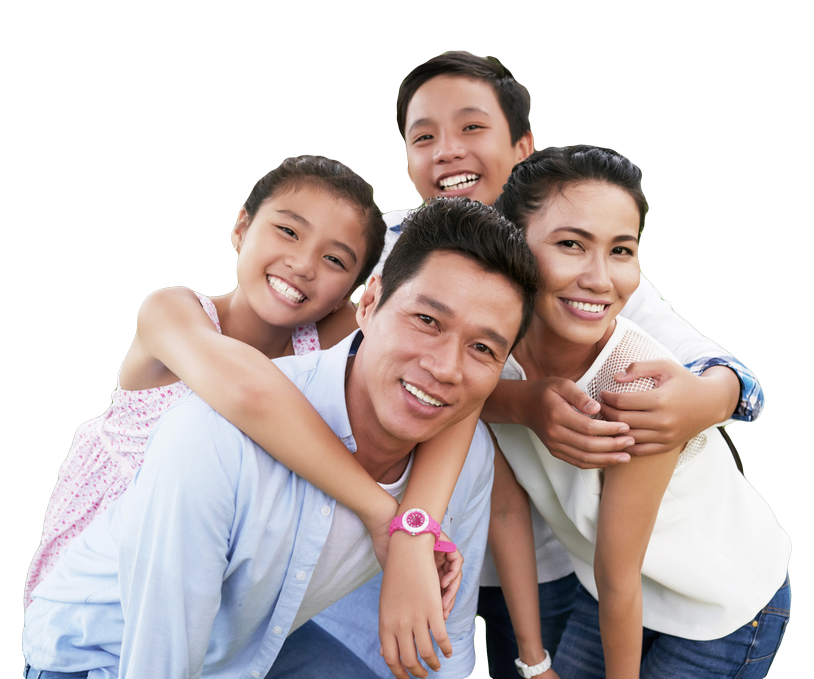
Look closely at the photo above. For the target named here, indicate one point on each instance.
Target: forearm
(508, 403)
(620, 622)
(750, 398)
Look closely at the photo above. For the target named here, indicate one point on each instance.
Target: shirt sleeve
(655, 316)
(175, 544)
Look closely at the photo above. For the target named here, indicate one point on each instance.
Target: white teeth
(593, 308)
(284, 289)
(420, 395)
(459, 181)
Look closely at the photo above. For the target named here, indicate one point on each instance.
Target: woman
(677, 555)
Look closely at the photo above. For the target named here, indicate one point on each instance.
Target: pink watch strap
(415, 522)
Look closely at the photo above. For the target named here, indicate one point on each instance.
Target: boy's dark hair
(534, 180)
(337, 179)
(471, 229)
(513, 98)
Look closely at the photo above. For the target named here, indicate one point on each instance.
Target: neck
(239, 321)
(382, 455)
(543, 354)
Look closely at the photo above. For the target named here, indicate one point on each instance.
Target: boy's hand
(681, 406)
(568, 433)
(410, 605)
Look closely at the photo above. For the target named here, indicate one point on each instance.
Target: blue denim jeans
(556, 600)
(313, 653)
(747, 653)
(30, 673)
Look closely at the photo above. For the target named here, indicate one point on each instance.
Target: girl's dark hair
(337, 179)
(473, 230)
(534, 180)
(513, 98)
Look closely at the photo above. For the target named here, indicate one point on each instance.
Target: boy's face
(458, 140)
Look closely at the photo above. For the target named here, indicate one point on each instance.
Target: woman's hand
(681, 406)
(410, 605)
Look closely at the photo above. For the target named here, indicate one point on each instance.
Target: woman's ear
(369, 301)
(241, 225)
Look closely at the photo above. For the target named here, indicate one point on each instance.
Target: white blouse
(717, 554)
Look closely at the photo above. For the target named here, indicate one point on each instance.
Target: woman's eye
(570, 244)
(621, 250)
(335, 260)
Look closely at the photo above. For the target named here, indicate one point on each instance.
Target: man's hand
(410, 605)
(558, 415)
(681, 406)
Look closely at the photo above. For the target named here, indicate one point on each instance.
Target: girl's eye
(287, 231)
(335, 260)
(428, 320)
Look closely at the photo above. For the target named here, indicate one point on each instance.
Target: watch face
(415, 520)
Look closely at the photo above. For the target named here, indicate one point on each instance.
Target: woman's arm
(511, 542)
(631, 495)
(244, 386)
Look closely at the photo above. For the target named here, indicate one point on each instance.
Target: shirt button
(301, 576)
(256, 674)
(277, 630)
(326, 510)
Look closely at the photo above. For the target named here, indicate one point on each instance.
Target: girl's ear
(369, 301)
(241, 225)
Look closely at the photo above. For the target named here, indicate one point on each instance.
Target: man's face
(434, 351)
(458, 140)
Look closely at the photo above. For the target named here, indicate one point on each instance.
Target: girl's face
(299, 256)
(586, 243)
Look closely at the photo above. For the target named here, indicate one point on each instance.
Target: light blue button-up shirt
(204, 555)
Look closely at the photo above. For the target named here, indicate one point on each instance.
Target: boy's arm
(411, 603)
(244, 386)
(173, 554)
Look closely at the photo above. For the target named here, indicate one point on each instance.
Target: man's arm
(175, 543)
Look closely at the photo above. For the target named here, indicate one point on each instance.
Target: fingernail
(624, 458)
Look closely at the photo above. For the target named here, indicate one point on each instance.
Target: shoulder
(631, 341)
(168, 298)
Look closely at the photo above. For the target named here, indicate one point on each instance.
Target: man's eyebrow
(296, 217)
(587, 235)
(486, 331)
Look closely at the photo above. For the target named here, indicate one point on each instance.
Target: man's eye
(482, 348)
(428, 320)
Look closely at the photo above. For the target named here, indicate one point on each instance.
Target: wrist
(378, 515)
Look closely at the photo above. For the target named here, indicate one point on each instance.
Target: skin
(446, 331)
(586, 244)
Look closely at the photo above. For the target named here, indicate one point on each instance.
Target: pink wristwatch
(416, 521)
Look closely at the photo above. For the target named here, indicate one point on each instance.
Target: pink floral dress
(105, 454)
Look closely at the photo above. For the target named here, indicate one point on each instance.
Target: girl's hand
(557, 411)
(681, 406)
(450, 573)
(410, 605)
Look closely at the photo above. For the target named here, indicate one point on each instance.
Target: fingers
(649, 400)
(582, 460)
(575, 397)
(390, 652)
(449, 595)
(439, 633)
(660, 368)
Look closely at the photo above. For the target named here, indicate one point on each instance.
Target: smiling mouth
(286, 290)
(421, 396)
(592, 308)
(458, 181)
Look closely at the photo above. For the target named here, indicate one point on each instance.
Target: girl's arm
(511, 542)
(628, 508)
(411, 602)
(174, 334)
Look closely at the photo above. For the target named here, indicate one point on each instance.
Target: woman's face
(586, 243)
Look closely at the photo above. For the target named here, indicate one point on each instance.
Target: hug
(196, 531)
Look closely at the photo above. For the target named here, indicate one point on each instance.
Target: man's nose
(444, 360)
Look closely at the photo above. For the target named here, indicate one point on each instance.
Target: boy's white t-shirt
(655, 316)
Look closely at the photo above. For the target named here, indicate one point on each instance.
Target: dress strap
(209, 307)
(305, 339)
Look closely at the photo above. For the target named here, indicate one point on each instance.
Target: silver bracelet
(527, 672)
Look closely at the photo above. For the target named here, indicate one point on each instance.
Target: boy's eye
(423, 137)
(335, 260)
(473, 127)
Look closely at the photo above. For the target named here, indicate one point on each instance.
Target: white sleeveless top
(717, 554)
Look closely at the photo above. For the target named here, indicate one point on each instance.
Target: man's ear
(369, 301)
(239, 231)
(525, 146)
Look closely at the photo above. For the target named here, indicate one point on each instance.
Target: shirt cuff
(751, 400)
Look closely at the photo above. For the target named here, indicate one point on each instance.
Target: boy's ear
(369, 301)
(239, 231)
(525, 146)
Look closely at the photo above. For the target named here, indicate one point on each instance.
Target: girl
(671, 581)
(307, 236)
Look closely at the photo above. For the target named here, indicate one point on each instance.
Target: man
(217, 552)
(465, 124)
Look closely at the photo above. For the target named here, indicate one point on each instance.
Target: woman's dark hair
(337, 179)
(467, 228)
(534, 180)
(513, 98)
